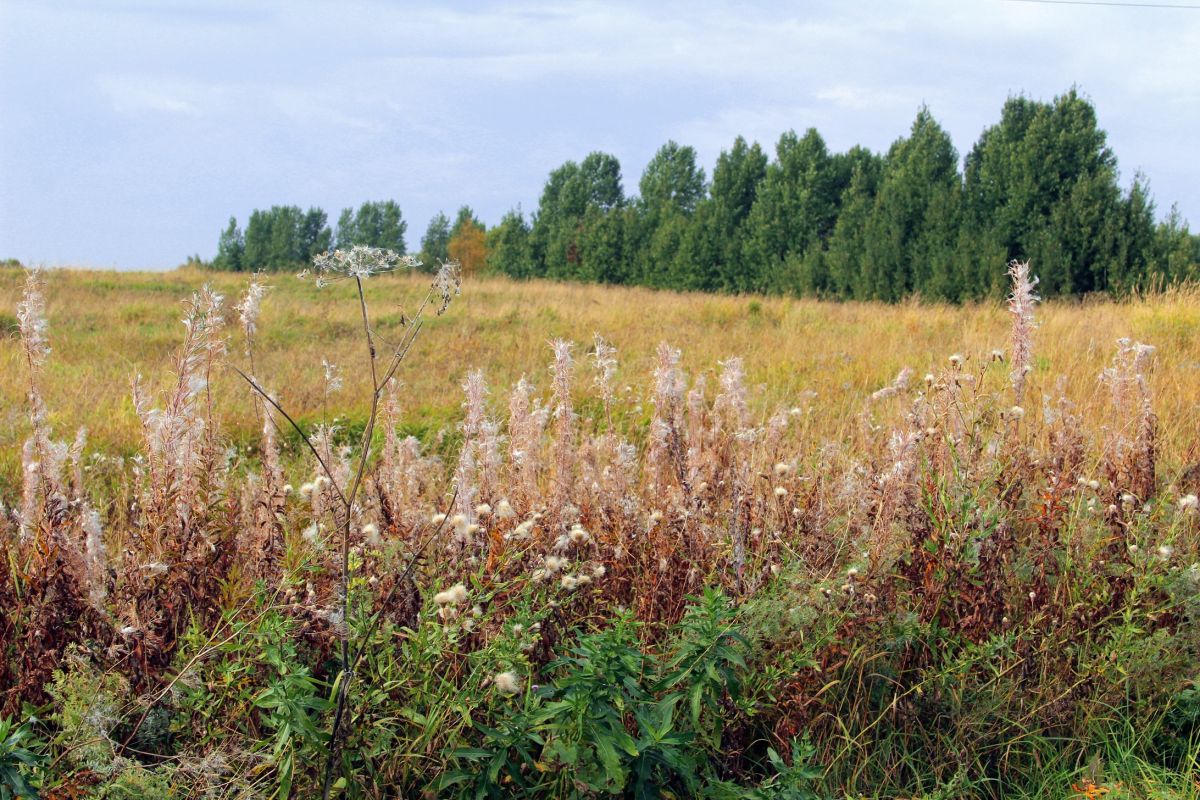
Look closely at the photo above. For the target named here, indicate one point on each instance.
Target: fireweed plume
(249, 310)
(57, 581)
(262, 543)
(605, 362)
(895, 387)
(527, 419)
(468, 475)
(898, 580)
(663, 453)
(178, 453)
(42, 458)
(563, 412)
(404, 474)
(1020, 304)
(1129, 461)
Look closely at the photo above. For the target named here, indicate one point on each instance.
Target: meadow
(109, 327)
(602, 541)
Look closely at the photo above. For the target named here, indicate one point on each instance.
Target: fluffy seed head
(504, 510)
(507, 682)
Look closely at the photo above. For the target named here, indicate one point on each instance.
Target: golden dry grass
(107, 327)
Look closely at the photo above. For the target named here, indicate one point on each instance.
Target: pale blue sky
(131, 131)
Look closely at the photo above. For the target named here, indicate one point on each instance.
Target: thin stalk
(346, 673)
(296, 427)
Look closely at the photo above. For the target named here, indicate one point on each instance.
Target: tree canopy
(1040, 184)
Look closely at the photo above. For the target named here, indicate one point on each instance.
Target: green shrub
(19, 757)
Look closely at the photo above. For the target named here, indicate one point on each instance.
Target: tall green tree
(508, 246)
(553, 213)
(848, 243)
(465, 216)
(257, 253)
(561, 227)
(795, 210)
(286, 247)
(374, 224)
(435, 244)
(230, 248)
(912, 209)
(1177, 252)
(1041, 184)
(282, 237)
(716, 238)
(671, 187)
(346, 235)
(1136, 261)
(315, 234)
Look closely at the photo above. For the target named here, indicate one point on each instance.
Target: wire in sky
(1105, 3)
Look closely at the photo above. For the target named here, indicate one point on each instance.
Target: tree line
(285, 237)
(1040, 184)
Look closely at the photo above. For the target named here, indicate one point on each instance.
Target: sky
(131, 130)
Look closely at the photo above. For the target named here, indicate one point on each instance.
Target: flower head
(507, 682)
(358, 262)
(504, 509)
(453, 596)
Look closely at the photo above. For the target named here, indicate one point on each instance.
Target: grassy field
(109, 327)
(819, 551)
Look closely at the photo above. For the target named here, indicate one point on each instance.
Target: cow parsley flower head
(358, 262)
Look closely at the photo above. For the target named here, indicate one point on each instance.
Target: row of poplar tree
(1041, 184)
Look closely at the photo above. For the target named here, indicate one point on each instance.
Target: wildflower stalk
(1020, 305)
(357, 264)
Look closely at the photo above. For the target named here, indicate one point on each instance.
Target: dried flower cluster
(953, 504)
